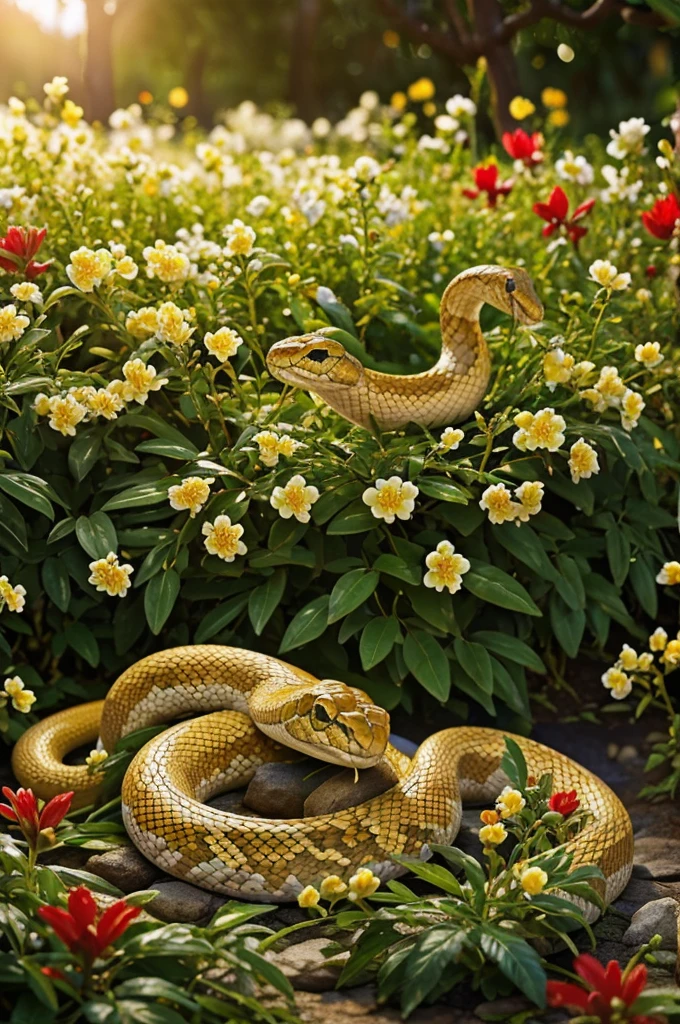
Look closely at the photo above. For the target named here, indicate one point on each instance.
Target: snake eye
(318, 355)
(321, 714)
(510, 285)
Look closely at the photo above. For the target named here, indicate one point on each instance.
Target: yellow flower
(421, 90)
(542, 430)
(398, 101)
(658, 639)
(520, 107)
(127, 268)
(451, 438)
(530, 495)
(65, 414)
(105, 403)
(287, 445)
(645, 661)
(26, 291)
(309, 897)
(671, 656)
(223, 539)
(669, 574)
(583, 462)
(140, 379)
(295, 499)
(558, 118)
(605, 274)
(364, 883)
(390, 498)
(557, 367)
(108, 575)
(13, 597)
(649, 354)
(510, 802)
(142, 323)
(88, 268)
(553, 98)
(71, 113)
(498, 502)
(446, 568)
(391, 39)
(224, 343)
(191, 494)
(493, 835)
(166, 263)
(41, 404)
(628, 658)
(632, 405)
(178, 97)
(240, 238)
(22, 699)
(332, 887)
(489, 817)
(272, 446)
(533, 880)
(618, 682)
(12, 324)
(95, 758)
(172, 324)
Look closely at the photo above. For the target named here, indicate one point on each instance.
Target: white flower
(583, 462)
(365, 169)
(295, 499)
(450, 439)
(258, 205)
(630, 138)
(12, 324)
(445, 568)
(649, 354)
(619, 188)
(605, 274)
(632, 405)
(574, 168)
(618, 682)
(27, 291)
(391, 498)
(460, 106)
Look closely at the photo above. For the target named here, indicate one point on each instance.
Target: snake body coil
(262, 859)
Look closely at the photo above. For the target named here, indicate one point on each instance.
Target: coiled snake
(450, 391)
(269, 859)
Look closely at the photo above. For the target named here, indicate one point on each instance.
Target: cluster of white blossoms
(604, 273)
(169, 323)
(631, 667)
(21, 698)
(12, 323)
(559, 367)
(13, 598)
(272, 445)
(575, 169)
(629, 140)
(544, 429)
(90, 268)
(498, 502)
(610, 392)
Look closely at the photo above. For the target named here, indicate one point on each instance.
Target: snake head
(511, 290)
(334, 722)
(312, 361)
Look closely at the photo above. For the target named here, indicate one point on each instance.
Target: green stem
(271, 939)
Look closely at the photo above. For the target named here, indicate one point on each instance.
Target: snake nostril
(321, 713)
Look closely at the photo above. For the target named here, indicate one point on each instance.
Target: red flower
(555, 212)
(486, 180)
(83, 929)
(661, 220)
(564, 803)
(21, 245)
(603, 986)
(521, 146)
(23, 809)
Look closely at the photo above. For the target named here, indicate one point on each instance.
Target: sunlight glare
(66, 17)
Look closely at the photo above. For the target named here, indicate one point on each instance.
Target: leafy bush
(146, 373)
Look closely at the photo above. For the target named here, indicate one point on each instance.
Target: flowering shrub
(148, 457)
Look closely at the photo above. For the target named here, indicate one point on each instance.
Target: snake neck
(463, 344)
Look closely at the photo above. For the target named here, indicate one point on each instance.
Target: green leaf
(350, 591)
(355, 519)
(474, 659)
(12, 524)
(138, 497)
(97, 535)
(84, 452)
(62, 529)
(377, 640)
(264, 600)
(643, 582)
(618, 553)
(332, 501)
(56, 582)
(309, 623)
(336, 311)
(83, 642)
(569, 583)
(510, 647)
(568, 625)
(427, 662)
(169, 449)
(511, 687)
(395, 566)
(497, 587)
(524, 544)
(30, 490)
(159, 598)
(441, 488)
(428, 960)
(155, 988)
(519, 962)
(219, 618)
(514, 763)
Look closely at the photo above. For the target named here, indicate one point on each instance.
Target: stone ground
(652, 895)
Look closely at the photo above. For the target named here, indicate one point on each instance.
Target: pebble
(660, 917)
(306, 966)
(344, 790)
(279, 789)
(179, 901)
(124, 867)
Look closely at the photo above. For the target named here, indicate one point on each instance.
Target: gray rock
(341, 790)
(307, 967)
(124, 867)
(179, 901)
(279, 790)
(230, 801)
(658, 917)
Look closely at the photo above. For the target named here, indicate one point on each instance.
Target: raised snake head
(312, 360)
(511, 290)
(333, 722)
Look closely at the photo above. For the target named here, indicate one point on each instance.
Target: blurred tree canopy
(317, 56)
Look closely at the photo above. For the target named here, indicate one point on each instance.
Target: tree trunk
(302, 77)
(487, 18)
(100, 95)
(196, 84)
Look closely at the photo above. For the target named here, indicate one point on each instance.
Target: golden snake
(450, 391)
(269, 859)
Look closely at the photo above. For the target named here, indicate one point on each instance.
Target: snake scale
(269, 859)
(262, 707)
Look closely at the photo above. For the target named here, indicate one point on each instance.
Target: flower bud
(552, 818)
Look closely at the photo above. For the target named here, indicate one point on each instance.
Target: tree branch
(420, 32)
(556, 11)
(458, 22)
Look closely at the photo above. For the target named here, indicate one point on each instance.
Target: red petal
(8, 812)
(470, 193)
(558, 203)
(82, 906)
(114, 921)
(543, 210)
(564, 993)
(633, 984)
(63, 925)
(590, 969)
(54, 811)
(583, 209)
